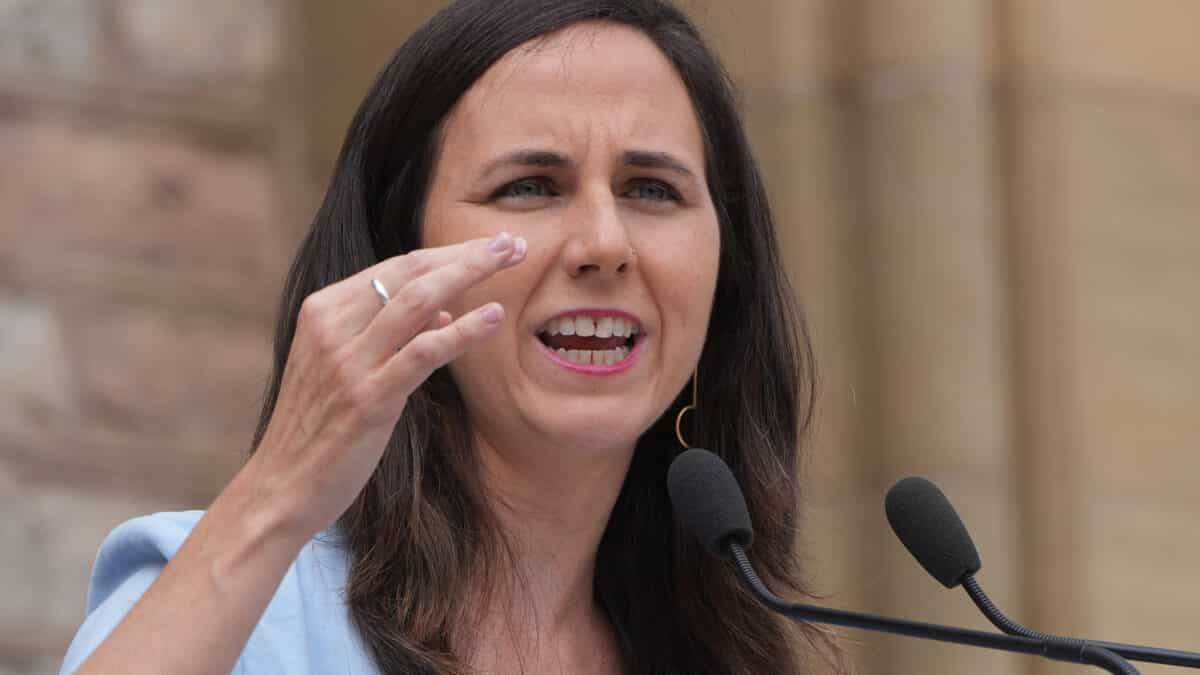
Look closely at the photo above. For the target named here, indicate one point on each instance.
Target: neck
(552, 509)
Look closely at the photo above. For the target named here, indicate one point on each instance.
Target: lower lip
(590, 369)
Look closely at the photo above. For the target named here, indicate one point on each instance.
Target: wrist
(264, 515)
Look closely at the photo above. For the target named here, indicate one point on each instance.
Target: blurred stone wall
(992, 211)
(150, 196)
(990, 208)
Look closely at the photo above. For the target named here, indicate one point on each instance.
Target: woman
(554, 200)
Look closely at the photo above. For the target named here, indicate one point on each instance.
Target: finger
(432, 349)
(442, 320)
(418, 301)
(356, 302)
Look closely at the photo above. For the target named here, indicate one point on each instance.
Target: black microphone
(708, 500)
(929, 527)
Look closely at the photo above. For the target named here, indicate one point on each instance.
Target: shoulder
(129, 560)
(138, 547)
(305, 629)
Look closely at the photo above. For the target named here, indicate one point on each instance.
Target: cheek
(684, 273)
(690, 262)
(446, 225)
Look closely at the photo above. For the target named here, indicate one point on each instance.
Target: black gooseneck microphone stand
(707, 498)
(930, 528)
(1168, 657)
(1085, 653)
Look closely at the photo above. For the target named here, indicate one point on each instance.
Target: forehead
(591, 82)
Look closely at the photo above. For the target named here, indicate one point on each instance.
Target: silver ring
(381, 291)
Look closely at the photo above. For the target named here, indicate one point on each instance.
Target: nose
(599, 244)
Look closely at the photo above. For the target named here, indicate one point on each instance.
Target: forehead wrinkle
(493, 103)
(493, 89)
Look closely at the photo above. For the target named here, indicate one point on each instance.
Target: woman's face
(586, 144)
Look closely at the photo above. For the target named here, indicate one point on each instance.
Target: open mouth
(591, 339)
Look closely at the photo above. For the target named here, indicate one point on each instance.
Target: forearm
(199, 613)
(345, 385)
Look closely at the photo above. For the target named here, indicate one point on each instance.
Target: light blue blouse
(305, 630)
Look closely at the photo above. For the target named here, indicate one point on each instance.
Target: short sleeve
(130, 559)
(306, 629)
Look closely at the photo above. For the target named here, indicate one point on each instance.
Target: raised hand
(355, 360)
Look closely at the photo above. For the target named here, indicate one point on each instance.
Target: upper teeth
(588, 326)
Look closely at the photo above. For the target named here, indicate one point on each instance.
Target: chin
(595, 428)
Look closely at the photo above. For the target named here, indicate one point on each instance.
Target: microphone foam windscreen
(931, 530)
(708, 500)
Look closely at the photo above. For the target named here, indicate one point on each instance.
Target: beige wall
(149, 162)
(994, 218)
(991, 209)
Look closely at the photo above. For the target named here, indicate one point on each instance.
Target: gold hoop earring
(691, 406)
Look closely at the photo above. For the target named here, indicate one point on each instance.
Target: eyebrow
(548, 159)
(657, 160)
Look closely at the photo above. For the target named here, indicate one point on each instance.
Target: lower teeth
(597, 357)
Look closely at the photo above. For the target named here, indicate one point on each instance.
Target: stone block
(1030, 37)
(1105, 206)
(814, 43)
(51, 537)
(742, 35)
(56, 37)
(130, 397)
(936, 281)
(1109, 43)
(1150, 44)
(38, 386)
(139, 209)
(924, 32)
(1131, 168)
(176, 376)
(199, 43)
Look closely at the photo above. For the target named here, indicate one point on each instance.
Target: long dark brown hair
(421, 526)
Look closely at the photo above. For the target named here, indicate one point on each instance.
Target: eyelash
(670, 194)
(541, 181)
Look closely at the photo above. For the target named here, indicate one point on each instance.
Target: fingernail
(493, 313)
(521, 247)
(501, 243)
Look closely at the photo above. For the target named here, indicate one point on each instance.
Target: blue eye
(655, 191)
(526, 188)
